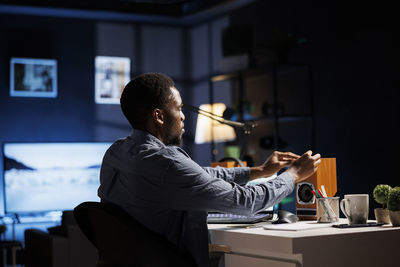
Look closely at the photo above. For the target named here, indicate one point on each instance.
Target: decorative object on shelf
(394, 206)
(232, 151)
(268, 109)
(267, 142)
(381, 193)
(244, 107)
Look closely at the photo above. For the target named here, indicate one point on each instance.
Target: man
(156, 182)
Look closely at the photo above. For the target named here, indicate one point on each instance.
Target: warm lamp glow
(208, 130)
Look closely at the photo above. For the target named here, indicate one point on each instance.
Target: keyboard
(228, 218)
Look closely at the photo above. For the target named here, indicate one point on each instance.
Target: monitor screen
(40, 177)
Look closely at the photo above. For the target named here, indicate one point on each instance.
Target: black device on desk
(345, 225)
(285, 217)
(228, 218)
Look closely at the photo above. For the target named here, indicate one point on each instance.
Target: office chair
(122, 241)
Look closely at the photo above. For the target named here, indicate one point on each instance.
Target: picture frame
(33, 77)
(111, 76)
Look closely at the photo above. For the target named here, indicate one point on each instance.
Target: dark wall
(355, 93)
(70, 115)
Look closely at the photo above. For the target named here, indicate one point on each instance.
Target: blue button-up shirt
(162, 188)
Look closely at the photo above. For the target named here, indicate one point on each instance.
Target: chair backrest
(122, 241)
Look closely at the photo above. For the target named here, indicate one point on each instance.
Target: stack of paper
(297, 226)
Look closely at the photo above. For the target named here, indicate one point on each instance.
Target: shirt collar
(146, 137)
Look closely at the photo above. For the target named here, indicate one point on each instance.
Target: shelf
(291, 118)
(280, 68)
(284, 118)
(223, 77)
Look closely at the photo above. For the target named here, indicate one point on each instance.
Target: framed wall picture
(32, 77)
(111, 76)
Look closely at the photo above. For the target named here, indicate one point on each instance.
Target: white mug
(355, 208)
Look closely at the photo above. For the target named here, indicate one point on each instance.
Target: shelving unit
(280, 92)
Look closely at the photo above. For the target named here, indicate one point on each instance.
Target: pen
(323, 190)
(313, 191)
(316, 193)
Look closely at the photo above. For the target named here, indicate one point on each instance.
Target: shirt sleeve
(187, 186)
(238, 174)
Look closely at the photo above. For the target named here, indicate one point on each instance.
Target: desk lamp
(212, 127)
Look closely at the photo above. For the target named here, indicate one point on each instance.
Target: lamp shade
(208, 130)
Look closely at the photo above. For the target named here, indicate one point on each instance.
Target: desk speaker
(305, 200)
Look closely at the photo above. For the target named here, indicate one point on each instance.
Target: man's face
(174, 119)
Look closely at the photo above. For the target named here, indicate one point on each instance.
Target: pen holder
(328, 209)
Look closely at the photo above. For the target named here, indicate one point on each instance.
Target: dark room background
(349, 48)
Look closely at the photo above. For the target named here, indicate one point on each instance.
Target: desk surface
(326, 229)
(364, 246)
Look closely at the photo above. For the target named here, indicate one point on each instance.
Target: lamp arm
(202, 112)
(246, 126)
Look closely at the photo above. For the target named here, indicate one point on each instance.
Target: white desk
(322, 247)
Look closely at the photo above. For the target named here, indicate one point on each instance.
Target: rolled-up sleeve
(238, 175)
(191, 187)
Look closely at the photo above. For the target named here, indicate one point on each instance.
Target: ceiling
(173, 8)
(167, 12)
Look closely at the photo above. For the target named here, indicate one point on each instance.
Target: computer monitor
(43, 177)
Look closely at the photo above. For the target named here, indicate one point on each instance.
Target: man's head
(151, 102)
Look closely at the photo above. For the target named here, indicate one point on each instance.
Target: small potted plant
(394, 206)
(381, 193)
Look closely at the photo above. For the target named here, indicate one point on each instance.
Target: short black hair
(143, 94)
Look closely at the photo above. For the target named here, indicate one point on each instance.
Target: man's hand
(304, 167)
(273, 164)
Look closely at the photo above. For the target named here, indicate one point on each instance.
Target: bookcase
(279, 99)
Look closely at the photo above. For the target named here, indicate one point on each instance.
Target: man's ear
(158, 116)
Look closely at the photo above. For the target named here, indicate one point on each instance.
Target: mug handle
(342, 205)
